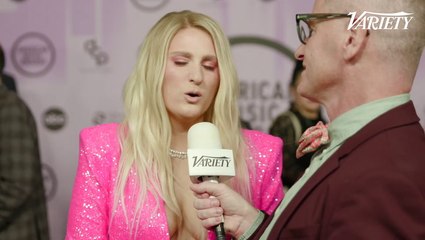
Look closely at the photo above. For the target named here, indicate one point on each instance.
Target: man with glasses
(368, 181)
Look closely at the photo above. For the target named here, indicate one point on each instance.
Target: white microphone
(207, 160)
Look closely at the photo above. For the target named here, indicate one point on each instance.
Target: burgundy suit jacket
(373, 187)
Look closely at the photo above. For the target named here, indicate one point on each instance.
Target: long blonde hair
(145, 134)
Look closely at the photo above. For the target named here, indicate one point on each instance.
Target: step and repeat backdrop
(70, 59)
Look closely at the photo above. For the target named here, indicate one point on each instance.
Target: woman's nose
(196, 74)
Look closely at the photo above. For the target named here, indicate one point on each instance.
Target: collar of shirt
(352, 121)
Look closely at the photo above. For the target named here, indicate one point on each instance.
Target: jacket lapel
(402, 115)
(327, 168)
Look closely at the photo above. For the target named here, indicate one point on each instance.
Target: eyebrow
(188, 55)
(184, 54)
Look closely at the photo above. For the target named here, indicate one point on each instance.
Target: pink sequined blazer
(92, 196)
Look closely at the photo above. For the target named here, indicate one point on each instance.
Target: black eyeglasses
(304, 21)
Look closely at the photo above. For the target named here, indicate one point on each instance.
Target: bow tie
(312, 139)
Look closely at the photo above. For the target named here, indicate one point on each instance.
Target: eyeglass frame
(306, 17)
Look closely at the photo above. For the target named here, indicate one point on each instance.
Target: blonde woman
(132, 180)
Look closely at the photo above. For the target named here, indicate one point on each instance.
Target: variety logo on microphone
(379, 21)
(211, 161)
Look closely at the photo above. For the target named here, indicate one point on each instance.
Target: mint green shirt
(342, 128)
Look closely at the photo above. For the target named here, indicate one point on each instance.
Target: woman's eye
(208, 67)
(180, 63)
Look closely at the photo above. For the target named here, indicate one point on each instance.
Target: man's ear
(355, 43)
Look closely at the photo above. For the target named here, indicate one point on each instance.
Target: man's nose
(299, 53)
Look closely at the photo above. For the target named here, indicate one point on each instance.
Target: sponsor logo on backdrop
(149, 5)
(33, 54)
(380, 21)
(50, 181)
(96, 53)
(101, 117)
(54, 119)
(261, 99)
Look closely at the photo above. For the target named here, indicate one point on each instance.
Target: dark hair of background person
(7, 79)
(290, 124)
(2, 59)
(296, 72)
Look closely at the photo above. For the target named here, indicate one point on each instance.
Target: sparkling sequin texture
(92, 196)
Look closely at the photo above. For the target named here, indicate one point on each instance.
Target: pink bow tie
(312, 139)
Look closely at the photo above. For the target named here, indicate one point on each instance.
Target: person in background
(23, 210)
(6, 79)
(132, 180)
(368, 181)
(289, 126)
(245, 124)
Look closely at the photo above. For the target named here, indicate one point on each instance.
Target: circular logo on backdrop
(263, 42)
(50, 181)
(261, 99)
(101, 117)
(33, 54)
(54, 119)
(149, 5)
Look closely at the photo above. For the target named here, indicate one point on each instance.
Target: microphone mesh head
(203, 135)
